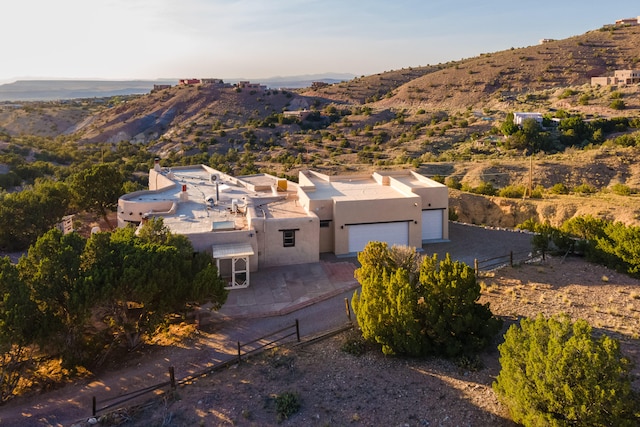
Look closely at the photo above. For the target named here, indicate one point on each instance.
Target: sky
(253, 39)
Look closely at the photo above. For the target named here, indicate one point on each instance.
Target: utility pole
(531, 176)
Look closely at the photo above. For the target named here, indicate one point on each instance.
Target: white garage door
(432, 224)
(393, 233)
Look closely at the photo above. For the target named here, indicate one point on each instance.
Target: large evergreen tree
(145, 277)
(453, 321)
(97, 189)
(20, 326)
(422, 308)
(51, 269)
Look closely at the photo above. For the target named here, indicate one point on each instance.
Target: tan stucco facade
(379, 198)
(273, 222)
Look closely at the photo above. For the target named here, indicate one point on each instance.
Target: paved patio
(280, 290)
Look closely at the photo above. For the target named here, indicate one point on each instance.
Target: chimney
(184, 196)
(156, 164)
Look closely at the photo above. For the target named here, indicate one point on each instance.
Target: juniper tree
(556, 373)
(415, 308)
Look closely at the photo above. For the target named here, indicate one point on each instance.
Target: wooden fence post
(511, 259)
(93, 409)
(239, 355)
(346, 306)
(297, 330)
(475, 266)
(172, 377)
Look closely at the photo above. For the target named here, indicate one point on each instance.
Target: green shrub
(354, 344)
(559, 188)
(537, 192)
(438, 178)
(453, 182)
(486, 188)
(513, 191)
(617, 104)
(584, 189)
(287, 404)
(584, 99)
(621, 189)
(567, 93)
(556, 373)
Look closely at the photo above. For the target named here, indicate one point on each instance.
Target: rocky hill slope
(439, 119)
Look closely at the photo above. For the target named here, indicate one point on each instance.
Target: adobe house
(620, 77)
(256, 221)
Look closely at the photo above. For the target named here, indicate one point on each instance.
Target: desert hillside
(441, 119)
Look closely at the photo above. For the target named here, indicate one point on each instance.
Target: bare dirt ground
(337, 388)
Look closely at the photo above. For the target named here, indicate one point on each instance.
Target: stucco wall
(376, 211)
(271, 250)
(132, 210)
(203, 242)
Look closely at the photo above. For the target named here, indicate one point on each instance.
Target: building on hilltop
(257, 221)
(620, 77)
(520, 117)
(157, 88)
(184, 82)
(219, 83)
(253, 86)
(628, 21)
(627, 77)
(318, 85)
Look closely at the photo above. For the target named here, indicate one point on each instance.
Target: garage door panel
(432, 225)
(393, 233)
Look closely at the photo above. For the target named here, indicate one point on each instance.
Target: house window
(325, 223)
(288, 238)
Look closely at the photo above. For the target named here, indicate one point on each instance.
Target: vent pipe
(184, 196)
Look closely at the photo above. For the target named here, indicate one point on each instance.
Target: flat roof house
(256, 221)
(520, 117)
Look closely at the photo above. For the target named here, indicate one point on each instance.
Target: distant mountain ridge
(49, 90)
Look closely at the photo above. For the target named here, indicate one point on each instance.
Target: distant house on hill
(628, 21)
(620, 77)
(249, 85)
(627, 76)
(297, 114)
(318, 85)
(519, 118)
(157, 88)
(603, 81)
(214, 82)
(184, 82)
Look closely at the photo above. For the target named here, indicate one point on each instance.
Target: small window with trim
(288, 238)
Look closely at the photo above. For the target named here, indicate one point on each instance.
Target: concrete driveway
(278, 291)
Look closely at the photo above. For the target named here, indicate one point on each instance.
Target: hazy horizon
(146, 39)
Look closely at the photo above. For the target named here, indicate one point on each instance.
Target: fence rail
(251, 347)
(509, 259)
